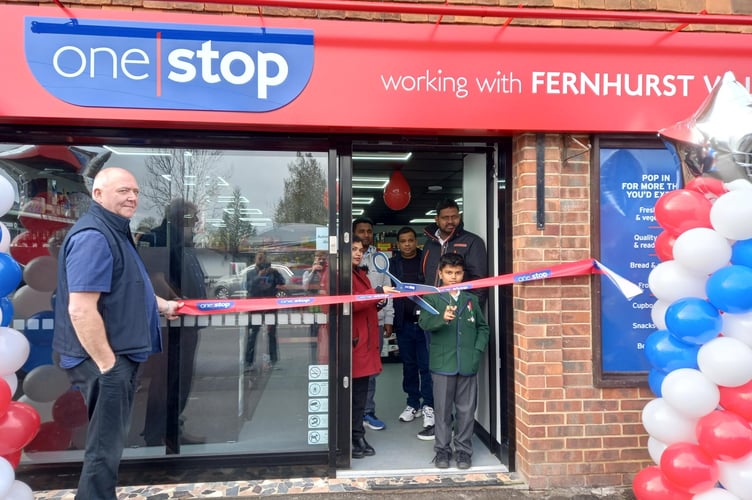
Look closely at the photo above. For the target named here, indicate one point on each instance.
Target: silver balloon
(717, 140)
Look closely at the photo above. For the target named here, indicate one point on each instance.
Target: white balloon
(656, 449)
(19, 491)
(736, 476)
(690, 393)
(658, 313)
(5, 239)
(28, 301)
(44, 408)
(670, 281)
(715, 494)
(738, 184)
(665, 424)
(14, 350)
(7, 195)
(12, 380)
(731, 215)
(738, 326)
(7, 476)
(41, 273)
(702, 250)
(726, 361)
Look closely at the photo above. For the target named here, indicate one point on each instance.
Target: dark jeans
(109, 400)
(359, 394)
(250, 350)
(416, 377)
(155, 420)
(371, 395)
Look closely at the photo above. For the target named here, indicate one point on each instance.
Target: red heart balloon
(724, 435)
(688, 467)
(709, 187)
(682, 209)
(664, 245)
(650, 484)
(738, 399)
(13, 458)
(18, 427)
(5, 396)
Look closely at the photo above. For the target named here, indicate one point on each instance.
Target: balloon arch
(699, 427)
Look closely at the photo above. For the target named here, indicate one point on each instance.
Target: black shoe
(361, 448)
(441, 460)
(369, 449)
(463, 460)
(358, 450)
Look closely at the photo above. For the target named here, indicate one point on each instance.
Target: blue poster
(631, 181)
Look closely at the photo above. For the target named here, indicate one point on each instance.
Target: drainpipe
(444, 9)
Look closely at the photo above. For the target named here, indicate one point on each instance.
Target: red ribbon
(203, 307)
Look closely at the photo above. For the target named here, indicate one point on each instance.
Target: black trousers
(109, 400)
(359, 395)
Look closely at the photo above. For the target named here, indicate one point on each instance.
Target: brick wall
(568, 432)
(678, 6)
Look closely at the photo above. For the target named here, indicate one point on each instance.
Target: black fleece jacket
(465, 243)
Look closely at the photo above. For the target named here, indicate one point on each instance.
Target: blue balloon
(741, 253)
(655, 380)
(693, 320)
(10, 274)
(6, 308)
(667, 353)
(730, 289)
(40, 332)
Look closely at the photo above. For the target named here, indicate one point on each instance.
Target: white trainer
(409, 414)
(428, 420)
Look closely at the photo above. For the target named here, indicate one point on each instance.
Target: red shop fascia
(150, 69)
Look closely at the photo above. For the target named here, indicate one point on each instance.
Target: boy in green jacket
(458, 338)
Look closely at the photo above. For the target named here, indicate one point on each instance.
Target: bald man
(106, 323)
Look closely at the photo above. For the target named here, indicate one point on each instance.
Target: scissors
(381, 263)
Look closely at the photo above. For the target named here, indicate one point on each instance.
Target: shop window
(205, 219)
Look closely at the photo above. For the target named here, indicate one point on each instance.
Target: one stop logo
(168, 66)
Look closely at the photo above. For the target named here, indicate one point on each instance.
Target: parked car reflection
(234, 286)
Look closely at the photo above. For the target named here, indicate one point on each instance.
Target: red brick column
(568, 432)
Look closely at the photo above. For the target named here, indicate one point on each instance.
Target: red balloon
(397, 192)
(664, 245)
(5, 396)
(650, 484)
(709, 187)
(51, 437)
(724, 435)
(13, 458)
(738, 399)
(18, 427)
(69, 410)
(682, 209)
(688, 467)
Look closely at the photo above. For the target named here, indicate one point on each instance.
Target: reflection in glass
(204, 218)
